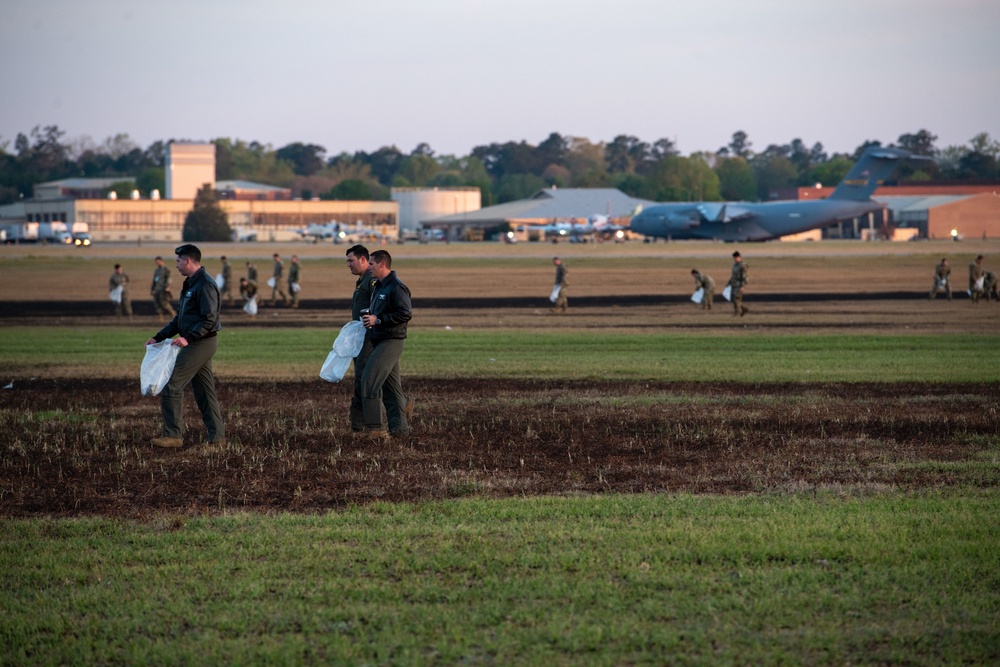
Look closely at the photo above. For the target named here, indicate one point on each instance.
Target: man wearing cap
(196, 326)
(737, 279)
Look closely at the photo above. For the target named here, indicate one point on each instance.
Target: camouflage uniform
(562, 303)
(705, 282)
(975, 273)
(737, 280)
(279, 272)
(942, 279)
(121, 278)
(227, 281)
(293, 281)
(990, 288)
(160, 290)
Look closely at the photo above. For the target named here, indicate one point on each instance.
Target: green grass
(300, 352)
(613, 580)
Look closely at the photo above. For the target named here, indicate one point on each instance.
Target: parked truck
(21, 232)
(81, 234)
(55, 232)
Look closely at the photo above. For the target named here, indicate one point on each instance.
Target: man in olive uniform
(227, 281)
(975, 275)
(277, 275)
(562, 303)
(942, 279)
(390, 311)
(990, 288)
(737, 279)
(704, 281)
(161, 290)
(293, 281)
(120, 279)
(196, 328)
(248, 291)
(251, 272)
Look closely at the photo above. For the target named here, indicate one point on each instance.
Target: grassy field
(850, 516)
(597, 581)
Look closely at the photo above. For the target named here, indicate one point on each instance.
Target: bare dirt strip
(80, 447)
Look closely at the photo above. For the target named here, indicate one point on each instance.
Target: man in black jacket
(196, 326)
(386, 325)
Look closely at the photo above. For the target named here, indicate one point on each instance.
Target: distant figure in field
(227, 281)
(121, 298)
(196, 326)
(976, 275)
(276, 276)
(559, 290)
(293, 281)
(942, 279)
(160, 290)
(248, 291)
(737, 280)
(990, 288)
(251, 272)
(703, 281)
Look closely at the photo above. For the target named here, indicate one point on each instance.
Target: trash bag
(555, 293)
(220, 281)
(250, 307)
(116, 294)
(350, 339)
(296, 288)
(698, 296)
(727, 293)
(347, 346)
(157, 366)
(271, 282)
(335, 367)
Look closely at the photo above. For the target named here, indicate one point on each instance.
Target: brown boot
(169, 443)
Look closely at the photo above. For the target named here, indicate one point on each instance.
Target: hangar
(545, 207)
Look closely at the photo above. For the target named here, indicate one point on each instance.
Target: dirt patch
(80, 447)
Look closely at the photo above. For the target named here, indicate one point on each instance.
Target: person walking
(358, 265)
(227, 281)
(703, 281)
(293, 281)
(123, 302)
(561, 302)
(196, 326)
(976, 279)
(251, 272)
(276, 277)
(160, 290)
(942, 279)
(390, 311)
(737, 280)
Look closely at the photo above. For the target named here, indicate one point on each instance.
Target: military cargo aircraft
(744, 221)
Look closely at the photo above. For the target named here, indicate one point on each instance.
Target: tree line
(502, 171)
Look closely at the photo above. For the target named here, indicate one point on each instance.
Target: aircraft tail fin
(874, 166)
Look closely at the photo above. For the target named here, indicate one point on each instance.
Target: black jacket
(197, 310)
(391, 305)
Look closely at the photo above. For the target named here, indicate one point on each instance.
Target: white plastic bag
(250, 307)
(698, 296)
(220, 281)
(347, 346)
(116, 294)
(296, 288)
(727, 293)
(271, 282)
(555, 293)
(158, 366)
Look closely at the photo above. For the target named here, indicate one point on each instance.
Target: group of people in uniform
(982, 283)
(248, 289)
(379, 408)
(737, 281)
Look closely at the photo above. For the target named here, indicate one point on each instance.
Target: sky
(455, 74)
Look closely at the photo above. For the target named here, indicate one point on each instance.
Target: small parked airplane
(744, 221)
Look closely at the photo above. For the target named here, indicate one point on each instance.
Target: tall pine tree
(207, 221)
